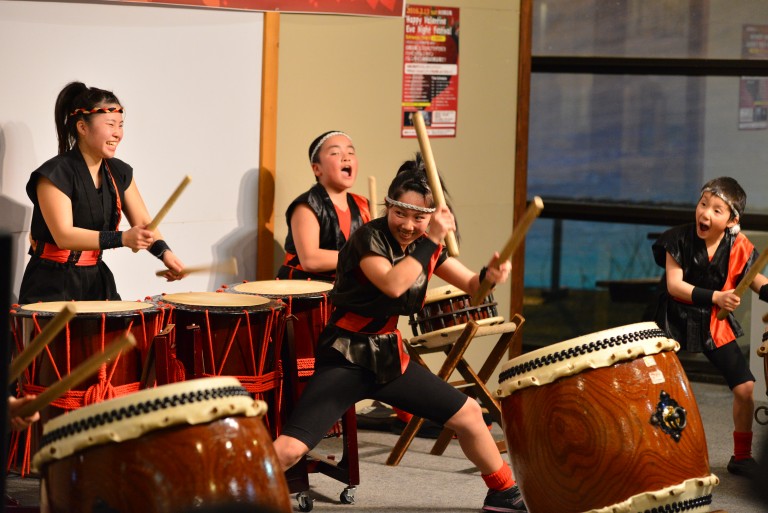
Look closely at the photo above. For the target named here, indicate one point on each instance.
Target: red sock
(501, 479)
(742, 445)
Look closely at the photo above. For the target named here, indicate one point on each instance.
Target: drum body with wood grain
(606, 422)
(194, 444)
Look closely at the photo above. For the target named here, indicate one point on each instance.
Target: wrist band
(110, 239)
(764, 293)
(765, 336)
(701, 296)
(482, 274)
(423, 252)
(158, 248)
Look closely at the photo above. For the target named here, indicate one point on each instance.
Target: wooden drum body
(307, 309)
(96, 324)
(194, 444)
(448, 309)
(606, 422)
(220, 334)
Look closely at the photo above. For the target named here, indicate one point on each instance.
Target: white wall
(190, 80)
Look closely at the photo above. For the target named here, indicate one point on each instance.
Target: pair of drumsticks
(520, 230)
(74, 378)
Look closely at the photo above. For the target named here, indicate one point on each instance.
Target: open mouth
(703, 228)
(347, 170)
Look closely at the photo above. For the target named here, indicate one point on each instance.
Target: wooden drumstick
(78, 374)
(747, 280)
(518, 235)
(167, 206)
(432, 176)
(228, 266)
(372, 199)
(44, 338)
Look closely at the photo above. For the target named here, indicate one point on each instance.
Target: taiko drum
(447, 308)
(95, 325)
(170, 449)
(606, 422)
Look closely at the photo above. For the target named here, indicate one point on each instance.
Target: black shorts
(730, 361)
(338, 384)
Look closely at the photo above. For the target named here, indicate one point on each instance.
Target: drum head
(284, 288)
(87, 307)
(444, 292)
(127, 417)
(214, 299)
(596, 350)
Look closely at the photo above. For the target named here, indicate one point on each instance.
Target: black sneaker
(747, 467)
(505, 501)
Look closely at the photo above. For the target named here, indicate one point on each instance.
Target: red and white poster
(753, 91)
(430, 69)
(352, 7)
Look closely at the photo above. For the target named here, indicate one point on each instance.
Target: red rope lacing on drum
(71, 399)
(306, 366)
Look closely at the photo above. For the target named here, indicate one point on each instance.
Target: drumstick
(432, 176)
(518, 235)
(168, 204)
(747, 280)
(228, 266)
(40, 341)
(80, 373)
(372, 201)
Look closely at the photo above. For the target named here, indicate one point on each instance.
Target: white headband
(724, 198)
(400, 204)
(322, 140)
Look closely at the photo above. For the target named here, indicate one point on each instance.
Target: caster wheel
(764, 411)
(348, 495)
(306, 503)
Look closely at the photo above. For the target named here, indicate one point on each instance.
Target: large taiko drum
(605, 423)
(446, 312)
(193, 444)
(95, 325)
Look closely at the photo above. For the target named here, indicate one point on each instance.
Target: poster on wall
(430, 69)
(753, 91)
(352, 7)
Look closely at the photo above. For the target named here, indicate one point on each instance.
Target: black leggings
(337, 384)
(730, 361)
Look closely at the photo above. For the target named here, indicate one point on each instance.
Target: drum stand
(346, 469)
(474, 383)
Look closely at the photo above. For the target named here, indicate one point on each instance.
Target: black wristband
(110, 239)
(158, 248)
(482, 274)
(765, 336)
(701, 296)
(423, 252)
(763, 293)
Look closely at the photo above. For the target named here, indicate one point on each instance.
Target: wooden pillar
(268, 148)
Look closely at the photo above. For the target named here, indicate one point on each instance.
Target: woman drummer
(383, 272)
(321, 219)
(79, 197)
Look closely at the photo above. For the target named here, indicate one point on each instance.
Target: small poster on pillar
(430, 69)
